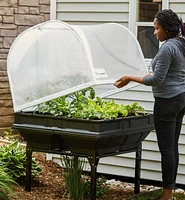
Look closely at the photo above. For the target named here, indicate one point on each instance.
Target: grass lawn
(156, 193)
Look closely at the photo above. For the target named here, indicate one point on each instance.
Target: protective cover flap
(115, 52)
(53, 59)
(45, 62)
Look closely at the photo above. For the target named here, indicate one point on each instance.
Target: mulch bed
(50, 185)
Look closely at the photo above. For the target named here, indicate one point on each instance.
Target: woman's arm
(124, 80)
(162, 63)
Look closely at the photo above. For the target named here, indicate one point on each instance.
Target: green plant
(83, 106)
(9, 135)
(134, 109)
(13, 159)
(101, 186)
(77, 186)
(12, 136)
(6, 185)
(73, 175)
(8, 132)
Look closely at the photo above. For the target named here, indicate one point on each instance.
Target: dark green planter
(80, 135)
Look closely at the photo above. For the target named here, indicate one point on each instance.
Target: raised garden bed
(81, 136)
(96, 137)
(90, 138)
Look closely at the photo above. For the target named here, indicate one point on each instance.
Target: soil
(50, 185)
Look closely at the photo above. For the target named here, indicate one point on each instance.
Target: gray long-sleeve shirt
(168, 79)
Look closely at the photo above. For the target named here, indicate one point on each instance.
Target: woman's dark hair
(171, 23)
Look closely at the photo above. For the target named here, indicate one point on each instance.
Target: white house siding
(94, 12)
(178, 6)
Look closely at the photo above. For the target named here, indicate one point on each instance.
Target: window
(146, 10)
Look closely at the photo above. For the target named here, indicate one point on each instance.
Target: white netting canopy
(54, 58)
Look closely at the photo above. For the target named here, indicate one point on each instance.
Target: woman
(168, 86)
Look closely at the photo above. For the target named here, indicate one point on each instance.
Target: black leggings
(168, 115)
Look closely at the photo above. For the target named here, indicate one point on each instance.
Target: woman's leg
(168, 114)
(165, 135)
(177, 134)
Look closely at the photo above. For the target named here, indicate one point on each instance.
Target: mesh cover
(114, 49)
(53, 59)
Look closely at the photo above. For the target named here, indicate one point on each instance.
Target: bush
(6, 185)
(73, 173)
(77, 186)
(13, 159)
(101, 186)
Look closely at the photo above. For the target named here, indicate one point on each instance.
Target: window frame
(53, 9)
(133, 24)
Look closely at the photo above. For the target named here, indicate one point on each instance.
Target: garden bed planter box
(81, 135)
(86, 138)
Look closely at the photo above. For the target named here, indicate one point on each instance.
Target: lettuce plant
(83, 106)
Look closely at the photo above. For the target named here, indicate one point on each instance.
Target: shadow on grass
(154, 194)
(146, 195)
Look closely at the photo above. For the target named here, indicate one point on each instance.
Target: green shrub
(73, 175)
(13, 158)
(101, 186)
(6, 185)
(77, 186)
(10, 135)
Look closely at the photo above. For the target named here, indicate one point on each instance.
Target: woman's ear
(168, 34)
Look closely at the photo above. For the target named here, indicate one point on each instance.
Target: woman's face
(159, 32)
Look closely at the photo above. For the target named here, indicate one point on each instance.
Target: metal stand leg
(93, 162)
(28, 168)
(138, 170)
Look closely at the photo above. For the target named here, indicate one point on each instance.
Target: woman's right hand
(124, 80)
